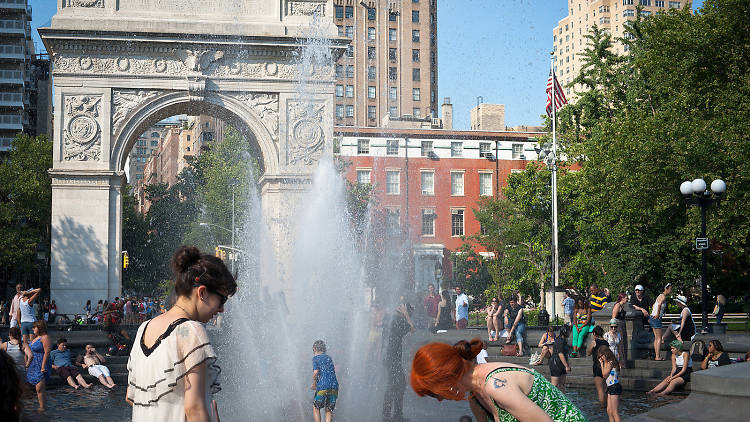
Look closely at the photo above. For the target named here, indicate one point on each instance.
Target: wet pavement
(99, 403)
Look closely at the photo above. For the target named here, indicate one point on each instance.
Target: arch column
(86, 236)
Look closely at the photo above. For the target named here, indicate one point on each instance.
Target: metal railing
(10, 119)
(11, 74)
(11, 97)
(11, 49)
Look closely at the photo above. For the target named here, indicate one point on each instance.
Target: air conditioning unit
(432, 155)
(437, 122)
(523, 156)
(490, 156)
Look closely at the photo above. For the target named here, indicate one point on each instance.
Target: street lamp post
(548, 154)
(697, 194)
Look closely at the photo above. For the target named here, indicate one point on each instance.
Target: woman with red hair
(496, 391)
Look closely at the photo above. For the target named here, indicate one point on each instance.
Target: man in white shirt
(462, 309)
(14, 306)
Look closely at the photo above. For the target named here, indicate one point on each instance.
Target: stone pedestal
(86, 240)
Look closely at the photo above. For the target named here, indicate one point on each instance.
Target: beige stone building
(569, 36)
(390, 67)
(489, 117)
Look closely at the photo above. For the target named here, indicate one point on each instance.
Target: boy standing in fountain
(324, 383)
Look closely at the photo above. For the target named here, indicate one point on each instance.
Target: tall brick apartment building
(390, 67)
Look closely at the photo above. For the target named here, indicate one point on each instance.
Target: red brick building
(427, 181)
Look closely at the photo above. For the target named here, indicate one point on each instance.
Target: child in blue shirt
(324, 382)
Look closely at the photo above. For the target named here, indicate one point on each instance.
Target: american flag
(560, 99)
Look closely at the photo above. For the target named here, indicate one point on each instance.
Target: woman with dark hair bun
(496, 391)
(172, 370)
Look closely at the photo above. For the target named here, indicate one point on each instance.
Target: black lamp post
(696, 193)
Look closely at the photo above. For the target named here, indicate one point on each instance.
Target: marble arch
(121, 65)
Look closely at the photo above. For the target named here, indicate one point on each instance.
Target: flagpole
(555, 249)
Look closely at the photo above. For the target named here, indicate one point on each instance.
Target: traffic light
(217, 252)
(125, 259)
(223, 255)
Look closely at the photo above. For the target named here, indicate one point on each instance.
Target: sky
(496, 49)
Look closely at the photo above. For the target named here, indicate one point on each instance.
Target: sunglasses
(222, 298)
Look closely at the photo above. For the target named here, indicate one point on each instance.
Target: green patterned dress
(552, 401)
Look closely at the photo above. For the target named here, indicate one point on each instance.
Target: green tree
(25, 205)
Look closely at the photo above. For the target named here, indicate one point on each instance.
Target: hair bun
(184, 258)
(469, 350)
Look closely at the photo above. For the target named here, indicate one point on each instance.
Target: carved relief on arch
(82, 134)
(84, 3)
(306, 135)
(125, 101)
(266, 106)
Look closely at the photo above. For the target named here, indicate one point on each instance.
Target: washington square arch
(119, 66)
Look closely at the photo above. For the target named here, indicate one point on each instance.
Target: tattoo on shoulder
(499, 382)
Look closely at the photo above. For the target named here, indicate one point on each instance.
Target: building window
(627, 2)
(350, 51)
(349, 91)
(391, 146)
(350, 32)
(393, 111)
(392, 182)
(426, 148)
(371, 33)
(349, 71)
(339, 90)
(339, 12)
(371, 112)
(339, 71)
(457, 149)
(674, 4)
(517, 151)
(392, 220)
(457, 183)
(415, 55)
(363, 146)
(392, 34)
(485, 184)
(457, 222)
(415, 94)
(415, 16)
(659, 3)
(363, 176)
(154, 143)
(370, 13)
(485, 149)
(416, 112)
(428, 222)
(371, 73)
(371, 92)
(392, 16)
(392, 54)
(393, 93)
(415, 74)
(645, 13)
(415, 35)
(644, 2)
(339, 110)
(371, 53)
(350, 111)
(428, 182)
(341, 30)
(392, 73)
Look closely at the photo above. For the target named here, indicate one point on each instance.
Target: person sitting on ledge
(546, 343)
(61, 364)
(94, 362)
(682, 366)
(716, 356)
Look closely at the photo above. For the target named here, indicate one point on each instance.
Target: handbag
(509, 350)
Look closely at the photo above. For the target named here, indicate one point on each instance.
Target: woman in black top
(444, 318)
(558, 362)
(593, 351)
(716, 356)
